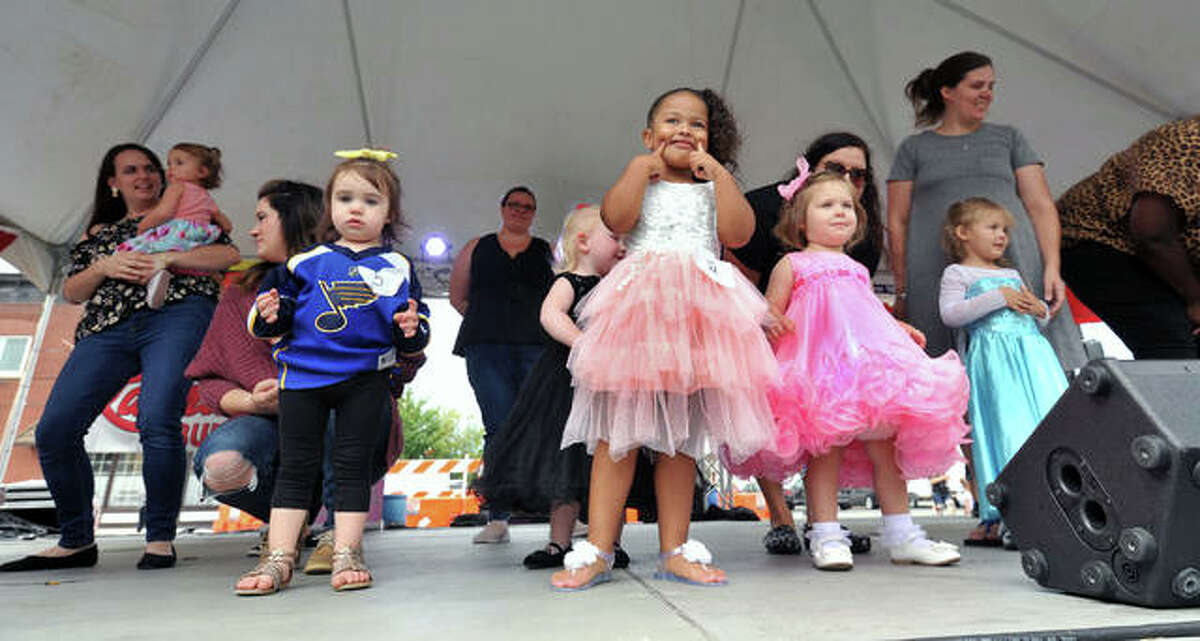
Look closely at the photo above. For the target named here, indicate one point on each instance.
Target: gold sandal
(277, 564)
(350, 559)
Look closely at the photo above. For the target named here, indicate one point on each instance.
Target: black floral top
(115, 300)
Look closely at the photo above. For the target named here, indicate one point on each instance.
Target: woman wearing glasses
(497, 283)
(962, 156)
(846, 154)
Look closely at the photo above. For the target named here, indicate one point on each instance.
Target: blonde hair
(965, 213)
(582, 219)
(210, 159)
(790, 229)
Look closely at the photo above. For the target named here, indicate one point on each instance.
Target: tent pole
(151, 123)
(737, 28)
(1132, 96)
(18, 407)
(845, 67)
(358, 80)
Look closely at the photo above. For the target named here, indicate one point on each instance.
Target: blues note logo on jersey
(341, 295)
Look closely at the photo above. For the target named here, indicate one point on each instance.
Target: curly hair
(723, 137)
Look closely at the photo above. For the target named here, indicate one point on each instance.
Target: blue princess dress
(1015, 376)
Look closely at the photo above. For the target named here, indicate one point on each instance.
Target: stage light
(435, 246)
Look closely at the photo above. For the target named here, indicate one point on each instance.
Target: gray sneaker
(493, 532)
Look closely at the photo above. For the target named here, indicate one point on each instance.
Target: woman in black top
(848, 155)
(497, 284)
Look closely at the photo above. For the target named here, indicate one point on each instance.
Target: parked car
(794, 494)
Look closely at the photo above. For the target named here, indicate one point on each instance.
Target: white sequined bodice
(676, 217)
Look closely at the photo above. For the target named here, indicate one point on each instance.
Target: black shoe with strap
(83, 558)
(550, 556)
(151, 561)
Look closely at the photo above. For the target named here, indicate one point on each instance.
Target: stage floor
(434, 584)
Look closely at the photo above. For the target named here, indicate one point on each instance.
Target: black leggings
(361, 404)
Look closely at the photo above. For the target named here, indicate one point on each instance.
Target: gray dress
(945, 169)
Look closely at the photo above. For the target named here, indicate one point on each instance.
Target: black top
(505, 299)
(116, 300)
(764, 250)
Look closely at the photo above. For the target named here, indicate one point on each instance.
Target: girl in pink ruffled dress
(672, 359)
(859, 401)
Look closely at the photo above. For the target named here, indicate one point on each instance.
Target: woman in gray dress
(960, 157)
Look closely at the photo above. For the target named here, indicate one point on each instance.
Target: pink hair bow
(790, 189)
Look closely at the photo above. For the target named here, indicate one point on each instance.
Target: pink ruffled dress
(850, 373)
(672, 355)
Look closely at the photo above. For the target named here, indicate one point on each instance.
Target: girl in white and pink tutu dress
(672, 353)
(859, 401)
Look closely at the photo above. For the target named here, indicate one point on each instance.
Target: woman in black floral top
(118, 338)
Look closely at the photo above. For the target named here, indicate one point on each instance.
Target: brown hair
(723, 137)
(299, 206)
(925, 90)
(210, 159)
(790, 229)
(381, 177)
(965, 213)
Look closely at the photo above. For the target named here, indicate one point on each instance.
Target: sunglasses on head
(856, 174)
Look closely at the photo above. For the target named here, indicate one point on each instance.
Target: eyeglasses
(521, 207)
(857, 175)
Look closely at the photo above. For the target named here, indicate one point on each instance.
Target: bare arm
(209, 258)
(622, 204)
(460, 277)
(1156, 227)
(899, 206)
(556, 308)
(134, 267)
(1035, 194)
(735, 217)
(164, 210)
(750, 274)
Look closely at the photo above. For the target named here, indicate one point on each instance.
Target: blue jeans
(159, 344)
(496, 372)
(256, 438)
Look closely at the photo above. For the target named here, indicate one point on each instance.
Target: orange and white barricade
(437, 490)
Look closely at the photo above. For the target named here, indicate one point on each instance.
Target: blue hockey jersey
(335, 314)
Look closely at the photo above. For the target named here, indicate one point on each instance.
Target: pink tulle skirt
(850, 374)
(668, 358)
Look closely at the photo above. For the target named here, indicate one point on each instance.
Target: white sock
(824, 531)
(899, 528)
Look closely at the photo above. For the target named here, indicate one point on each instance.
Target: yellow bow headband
(378, 155)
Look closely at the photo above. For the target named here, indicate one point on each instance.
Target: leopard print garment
(1164, 161)
(115, 300)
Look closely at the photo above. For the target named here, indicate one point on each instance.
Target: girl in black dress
(526, 467)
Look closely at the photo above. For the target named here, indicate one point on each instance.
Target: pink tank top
(195, 206)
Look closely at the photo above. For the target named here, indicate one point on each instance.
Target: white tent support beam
(151, 123)
(18, 407)
(358, 79)
(890, 148)
(1135, 97)
(733, 41)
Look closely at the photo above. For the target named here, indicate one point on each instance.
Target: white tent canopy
(479, 95)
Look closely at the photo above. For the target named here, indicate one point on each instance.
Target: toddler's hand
(703, 165)
(223, 222)
(777, 325)
(407, 320)
(1036, 306)
(268, 305)
(653, 163)
(917, 335)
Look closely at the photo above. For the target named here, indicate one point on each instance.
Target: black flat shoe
(620, 557)
(151, 561)
(84, 558)
(550, 556)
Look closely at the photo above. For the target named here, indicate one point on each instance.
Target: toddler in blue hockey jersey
(342, 310)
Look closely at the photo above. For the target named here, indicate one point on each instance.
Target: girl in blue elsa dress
(1015, 376)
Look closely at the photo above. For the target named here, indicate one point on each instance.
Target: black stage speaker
(1104, 497)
